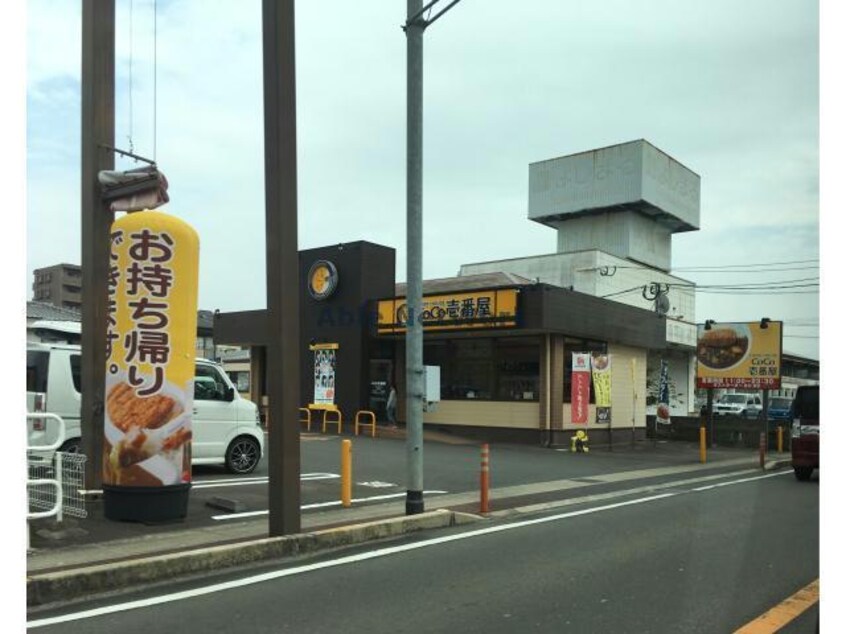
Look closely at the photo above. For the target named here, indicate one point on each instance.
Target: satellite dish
(662, 304)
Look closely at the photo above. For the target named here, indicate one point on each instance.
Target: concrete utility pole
(414, 236)
(283, 305)
(414, 373)
(98, 133)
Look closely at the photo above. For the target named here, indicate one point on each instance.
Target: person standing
(391, 407)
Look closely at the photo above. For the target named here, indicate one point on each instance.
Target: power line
(738, 266)
(715, 268)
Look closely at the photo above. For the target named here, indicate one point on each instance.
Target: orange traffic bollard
(484, 478)
(346, 473)
(780, 438)
(702, 445)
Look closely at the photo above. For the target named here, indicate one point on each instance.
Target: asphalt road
(379, 468)
(706, 560)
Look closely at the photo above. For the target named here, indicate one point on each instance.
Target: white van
(225, 426)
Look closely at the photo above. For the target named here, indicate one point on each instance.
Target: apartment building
(59, 285)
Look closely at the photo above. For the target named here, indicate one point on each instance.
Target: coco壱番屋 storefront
(505, 348)
(503, 344)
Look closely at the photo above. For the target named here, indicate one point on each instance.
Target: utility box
(433, 387)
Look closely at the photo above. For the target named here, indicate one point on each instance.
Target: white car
(743, 405)
(226, 429)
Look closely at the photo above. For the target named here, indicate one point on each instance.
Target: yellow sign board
(150, 348)
(742, 355)
(496, 308)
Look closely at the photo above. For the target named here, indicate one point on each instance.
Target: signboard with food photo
(150, 348)
(601, 367)
(739, 355)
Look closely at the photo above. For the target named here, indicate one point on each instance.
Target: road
(694, 558)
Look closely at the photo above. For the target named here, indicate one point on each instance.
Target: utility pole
(282, 258)
(414, 237)
(98, 134)
(414, 27)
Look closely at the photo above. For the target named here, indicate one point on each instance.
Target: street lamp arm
(416, 21)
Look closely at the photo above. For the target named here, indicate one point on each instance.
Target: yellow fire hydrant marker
(776, 618)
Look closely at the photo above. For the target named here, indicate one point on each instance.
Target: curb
(66, 585)
(779, 463)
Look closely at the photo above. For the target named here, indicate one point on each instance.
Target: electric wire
(131, 149)
(155, 74)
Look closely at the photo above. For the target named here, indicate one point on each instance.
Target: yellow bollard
(702, 445)
(780, 438)
(346, 473)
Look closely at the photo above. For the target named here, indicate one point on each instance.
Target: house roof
(467, 283)
(42, 311)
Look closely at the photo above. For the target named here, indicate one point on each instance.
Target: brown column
(283, 280)
(98, 130)
(544, 396)
(556, 374)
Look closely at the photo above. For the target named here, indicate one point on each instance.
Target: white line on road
(317, 505)
(729, 483)
(234, 482)
(373, 554)
(277, 574)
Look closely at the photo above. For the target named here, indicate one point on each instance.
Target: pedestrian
(391, 407)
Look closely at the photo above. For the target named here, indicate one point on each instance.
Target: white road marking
(234, 482)
(730, 482)
(317, 505)
(377, 484)
(374, 554)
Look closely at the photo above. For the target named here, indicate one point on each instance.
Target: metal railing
(38, 497)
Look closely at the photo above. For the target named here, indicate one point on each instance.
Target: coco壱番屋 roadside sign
(150, 349)
(739, 355)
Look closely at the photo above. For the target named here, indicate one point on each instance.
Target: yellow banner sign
(742, 355)
(150, 349)
(476, 309)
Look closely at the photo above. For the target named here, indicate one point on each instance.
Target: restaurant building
(503, 344)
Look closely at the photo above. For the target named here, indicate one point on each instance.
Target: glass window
(518, 368)
(208, 384)
(76, 371)
(36, 370)
(241, 379)
(506, 368)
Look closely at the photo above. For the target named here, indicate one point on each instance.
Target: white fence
(55, 480)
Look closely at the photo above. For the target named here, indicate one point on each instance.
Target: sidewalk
(61, 572)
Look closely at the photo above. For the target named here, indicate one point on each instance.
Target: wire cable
(155, 74)
(131, 3)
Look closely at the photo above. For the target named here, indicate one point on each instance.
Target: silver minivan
(226, 429)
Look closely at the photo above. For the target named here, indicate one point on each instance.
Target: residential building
(59, 285)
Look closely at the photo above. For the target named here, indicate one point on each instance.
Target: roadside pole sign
(739, 355)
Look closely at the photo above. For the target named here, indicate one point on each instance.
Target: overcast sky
(730, 89)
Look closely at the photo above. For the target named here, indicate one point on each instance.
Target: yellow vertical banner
(150, 350)
(601, 369)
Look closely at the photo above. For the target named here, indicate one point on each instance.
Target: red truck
(805, 432)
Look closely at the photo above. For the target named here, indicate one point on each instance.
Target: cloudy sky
(730, 89)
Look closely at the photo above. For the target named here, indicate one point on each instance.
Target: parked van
(805, 432)
(225, 426)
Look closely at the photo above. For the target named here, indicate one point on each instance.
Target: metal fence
(55, 480)
(65, 473)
